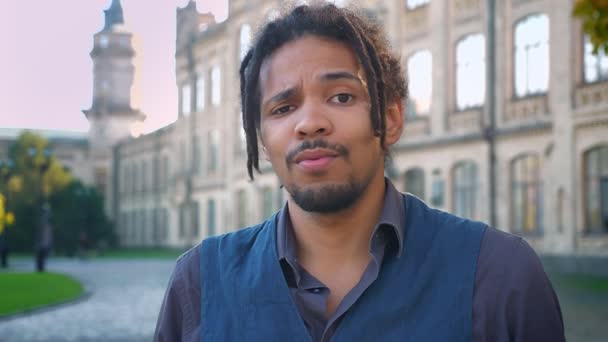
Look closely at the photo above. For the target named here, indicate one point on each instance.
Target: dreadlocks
(383, 73)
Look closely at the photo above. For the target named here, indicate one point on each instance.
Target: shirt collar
(392, 217)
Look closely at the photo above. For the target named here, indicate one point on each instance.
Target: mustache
(312, 144)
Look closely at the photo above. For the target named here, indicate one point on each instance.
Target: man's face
(315, 123)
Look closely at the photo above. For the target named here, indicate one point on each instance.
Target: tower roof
(114, 15)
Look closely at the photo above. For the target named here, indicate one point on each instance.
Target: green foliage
(24, 291)
(594, 16)
(78, 209)
(38, 177)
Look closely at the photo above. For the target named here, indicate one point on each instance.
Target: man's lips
(315, 160)
(311, 156)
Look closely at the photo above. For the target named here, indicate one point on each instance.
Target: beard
(326, 199)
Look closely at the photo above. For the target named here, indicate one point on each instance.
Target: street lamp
(44, 236)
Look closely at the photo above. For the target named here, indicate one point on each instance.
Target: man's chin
(325, 197)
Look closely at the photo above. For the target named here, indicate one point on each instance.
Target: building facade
(547, 128)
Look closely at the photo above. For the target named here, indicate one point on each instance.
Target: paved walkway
(126, 297)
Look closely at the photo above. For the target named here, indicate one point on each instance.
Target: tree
(37, 177)
(89, 219)
(594, 15)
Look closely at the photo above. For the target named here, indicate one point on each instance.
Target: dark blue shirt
(513, 299)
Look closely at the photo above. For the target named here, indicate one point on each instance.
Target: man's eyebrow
(282, 95)
(337, 75)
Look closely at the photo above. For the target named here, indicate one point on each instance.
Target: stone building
(525, 147)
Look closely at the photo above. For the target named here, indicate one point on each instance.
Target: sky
(46, 73)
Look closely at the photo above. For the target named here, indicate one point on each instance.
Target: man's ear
(394, 122)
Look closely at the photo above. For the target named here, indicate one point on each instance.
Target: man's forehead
(331, 57)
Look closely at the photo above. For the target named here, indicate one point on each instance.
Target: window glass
(596, 189)
(465, 189)
(596, 66)
(526, 190)
(470, 72)
(216, 87)
(186, 100)
(412, 4)
(419, 69)
(532, 55)
(244, 40)
(200, 94)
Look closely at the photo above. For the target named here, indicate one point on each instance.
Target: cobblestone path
(126, 297)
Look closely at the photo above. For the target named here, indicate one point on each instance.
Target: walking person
(44, 241)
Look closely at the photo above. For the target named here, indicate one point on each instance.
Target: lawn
(20, 291)
(586, 283)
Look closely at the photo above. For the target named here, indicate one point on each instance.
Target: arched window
(596, 65)
(526, 195)
(244, 40)
(532, 55)
(414, 182)
(470, 71)
(464, 189)
(596, 189)
(419, 71)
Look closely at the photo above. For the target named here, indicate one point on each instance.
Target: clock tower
(111, 115)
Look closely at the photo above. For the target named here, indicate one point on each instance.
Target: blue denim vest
(425, 294)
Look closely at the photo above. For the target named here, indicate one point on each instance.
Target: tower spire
(114, 15)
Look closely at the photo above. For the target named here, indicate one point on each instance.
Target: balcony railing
(591, 95)
(466, 8)
(532, 108)
(465, 121)
(416, 20)
(416, 128)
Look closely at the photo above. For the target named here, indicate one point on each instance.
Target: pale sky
(46, 72)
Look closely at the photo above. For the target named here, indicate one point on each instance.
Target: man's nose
(313, 121)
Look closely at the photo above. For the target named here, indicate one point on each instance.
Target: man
(348, 258)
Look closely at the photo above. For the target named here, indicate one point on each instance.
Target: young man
(348, 258)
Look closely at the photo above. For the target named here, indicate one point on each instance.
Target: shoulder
(416, 209)
(513, 296)
(237, 242)
(187, 267)
(508, 255)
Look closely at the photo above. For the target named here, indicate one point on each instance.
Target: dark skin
(314, 88)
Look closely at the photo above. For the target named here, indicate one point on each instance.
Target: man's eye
(342, 98)
(282, 110)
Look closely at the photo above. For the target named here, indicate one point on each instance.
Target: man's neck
(342, 237)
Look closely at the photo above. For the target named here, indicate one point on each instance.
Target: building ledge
(465, 121)
(527, 109)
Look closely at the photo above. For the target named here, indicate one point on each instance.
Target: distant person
(83, 243)
(4, 249)
(44, 241)
(348, 258)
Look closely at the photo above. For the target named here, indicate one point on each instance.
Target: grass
(583, 282)
(25, 291)
(142, 253)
